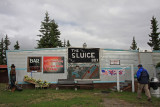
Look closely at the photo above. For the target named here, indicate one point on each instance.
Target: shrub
(158, 65)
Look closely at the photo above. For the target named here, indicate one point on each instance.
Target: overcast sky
(99, 23)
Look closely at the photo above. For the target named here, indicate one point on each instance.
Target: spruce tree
(54, 35)
(6, 47)
(64, 44)
(2, 52)
(16, 46)
(49, 37)
(6, 43)
(44, 32)
(68, 43)
(154, 41)
(134, 45)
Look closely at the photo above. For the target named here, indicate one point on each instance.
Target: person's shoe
(149, 100)
(13, 89)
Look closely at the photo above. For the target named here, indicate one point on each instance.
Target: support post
(118, 87)
(132, 76)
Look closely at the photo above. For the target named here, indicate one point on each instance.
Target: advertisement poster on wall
(84, 71)
(53, 64)
(34, 64)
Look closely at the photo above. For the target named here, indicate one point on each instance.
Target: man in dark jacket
(143, 79)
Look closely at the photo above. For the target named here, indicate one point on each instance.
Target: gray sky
(99, 23)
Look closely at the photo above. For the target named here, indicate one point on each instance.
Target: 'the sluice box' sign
(83, 55)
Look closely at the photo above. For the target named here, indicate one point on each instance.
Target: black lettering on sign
(83, 55)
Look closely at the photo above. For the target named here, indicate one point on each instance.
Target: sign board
(83, 55)
(114, 62)
(53, 64)
(34, 64)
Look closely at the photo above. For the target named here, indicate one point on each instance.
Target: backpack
(144, 77)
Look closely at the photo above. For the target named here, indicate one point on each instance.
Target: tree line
(49, 37)
(154, 41)
(4, 45)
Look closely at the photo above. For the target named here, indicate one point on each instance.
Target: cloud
(103, 24)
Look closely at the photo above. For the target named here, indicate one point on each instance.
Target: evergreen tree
(6, 47)
(6, 43)
(54, 35)
(49, 37)
(2, 52)
(134, 45)
(64, 44)
(44, 32)
(60, 43)
(16, 46)
(154, 42)
(68, 43)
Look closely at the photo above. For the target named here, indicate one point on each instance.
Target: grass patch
(69, 98)
(74, 102)
(132, 98)
(50, 97)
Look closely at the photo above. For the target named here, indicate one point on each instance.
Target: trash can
(155, 87)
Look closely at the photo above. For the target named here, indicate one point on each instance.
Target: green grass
(132, 98)
(50, 97)
(67, 98)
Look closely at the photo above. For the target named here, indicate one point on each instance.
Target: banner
(111, 72)
(34, 64)
(83, 55)
(53, 64)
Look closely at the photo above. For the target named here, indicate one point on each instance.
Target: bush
(158, 65)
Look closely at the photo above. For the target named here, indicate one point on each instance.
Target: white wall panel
(19, 58)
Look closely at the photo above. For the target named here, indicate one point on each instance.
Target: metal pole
(155, 73)
(132, 76)
(118, 88)
(31, 74)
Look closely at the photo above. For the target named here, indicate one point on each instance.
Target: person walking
(143, 80)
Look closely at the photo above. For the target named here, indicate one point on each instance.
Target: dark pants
(13, 80)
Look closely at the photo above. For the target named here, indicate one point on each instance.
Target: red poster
(53, 64)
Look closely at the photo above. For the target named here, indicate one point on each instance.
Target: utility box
(155, 87)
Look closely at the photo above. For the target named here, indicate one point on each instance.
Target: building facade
(99, 65)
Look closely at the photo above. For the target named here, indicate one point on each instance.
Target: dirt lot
(116, 103)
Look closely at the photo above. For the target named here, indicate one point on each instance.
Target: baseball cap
(140, 65)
